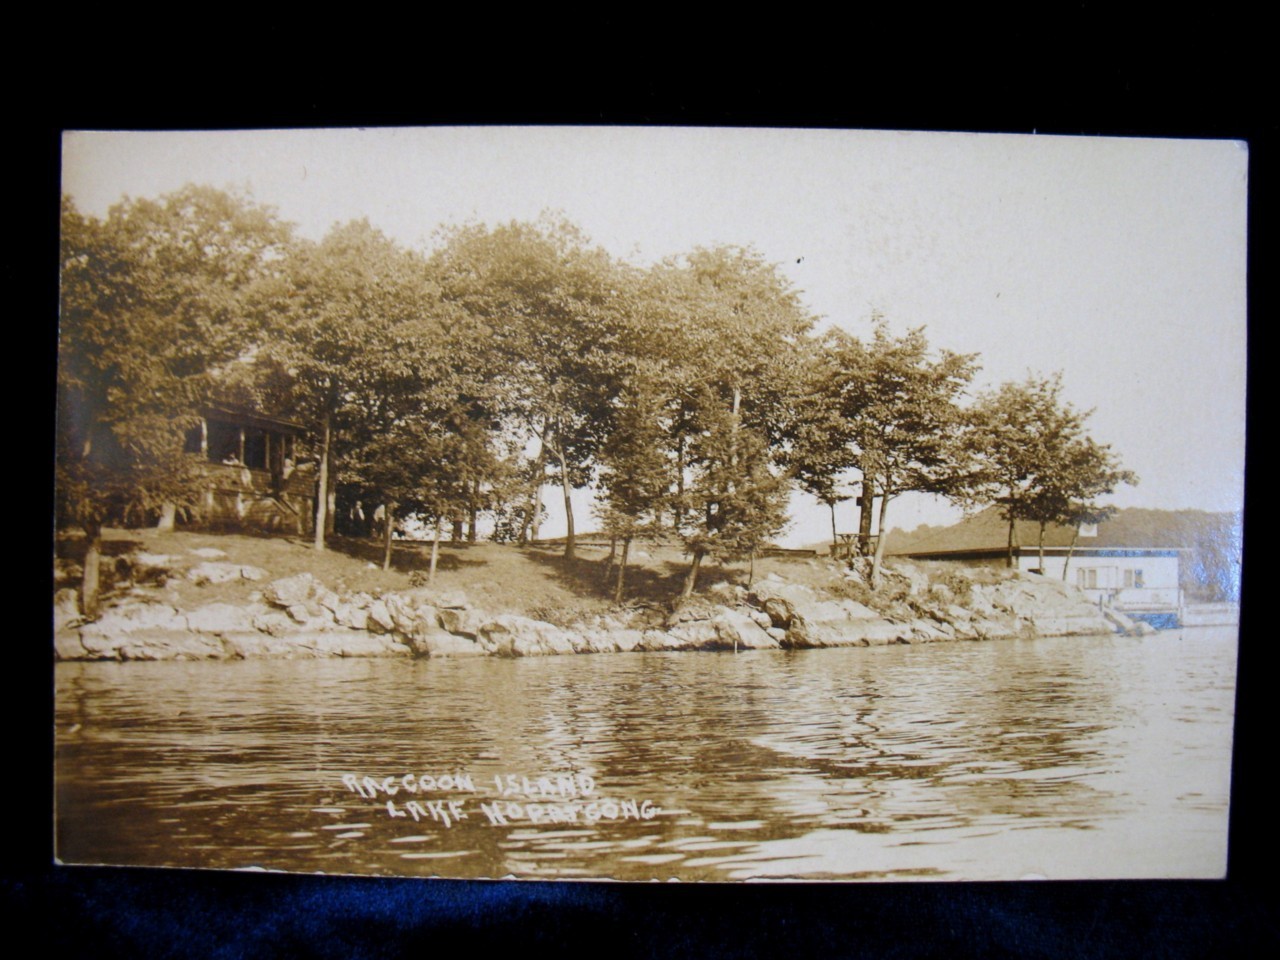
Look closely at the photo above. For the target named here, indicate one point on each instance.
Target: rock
(213, 572)
(728, 630)
(299, 613)
(276, 624)
(288, 591)
(155, 645)
(696, 635)
(778, 634)
(380, 618)
(67, 571)
(404, 614)
(928, 631)
(696, 608)
(66, 609)
(134, 618)
(208, 553)
(354, 644)
(349, 615)
(247, 646)
(220, 618)
(726, 593)
(428, 641)
(659, 640)
(217, 572)
(67, 645)
(512, 636)
(464, 623)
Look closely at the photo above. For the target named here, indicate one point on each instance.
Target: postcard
(649, 503)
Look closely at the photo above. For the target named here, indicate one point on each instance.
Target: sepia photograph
(626, 503)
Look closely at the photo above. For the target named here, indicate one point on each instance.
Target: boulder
(248, 646)
(729, 630)
(351, 643)
(288, 591)
(404, 613)
(155, 645)
(327, 599)
(694, 609)
(275, 624)
(218, 572)
(512, 636)
(137, 617)
(429, 641)
(464, 623)
(221, 618)
(659, 640)
(349, 615)
(67, 645)
(66, 609)
(208, 553)
(380, 620)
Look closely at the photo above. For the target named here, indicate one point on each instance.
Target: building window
(1087, 579)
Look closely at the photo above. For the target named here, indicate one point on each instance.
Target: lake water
(1061, 757)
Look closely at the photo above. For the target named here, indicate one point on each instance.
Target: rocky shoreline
(298, 617)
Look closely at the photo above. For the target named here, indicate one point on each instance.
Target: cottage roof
(226, 413)
(1132, 529)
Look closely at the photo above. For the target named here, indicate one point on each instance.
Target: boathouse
(1143, 582)
(254, 478)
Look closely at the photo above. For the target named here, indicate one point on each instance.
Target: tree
(1016, 435)
(732, 329)
(154, 299)
(818, 451)
(903, 419)
(360, 326)
(1037, 462)
(550, 305)
(636, 472)
(1068, 495)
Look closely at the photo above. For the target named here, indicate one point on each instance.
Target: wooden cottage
(254, 477)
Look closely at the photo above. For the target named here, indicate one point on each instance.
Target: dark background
(1093, 82)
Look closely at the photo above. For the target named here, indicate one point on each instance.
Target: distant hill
(1211, 568)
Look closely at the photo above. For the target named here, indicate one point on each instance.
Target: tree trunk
(864, 513)
(89, 580)
(567, 490)
(835, 538)
(455, 534)
(529, 526)
(1040, 561)
(435, 551)
(691, 579)
(387, 524)
(1008, 560)
(880, 541)
(1075, 535)
(622, 570)
(751, 571)
(322, 486)
(679, 510)
(168, 516)
(473, 511)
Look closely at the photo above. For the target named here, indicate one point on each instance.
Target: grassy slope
(498, 578)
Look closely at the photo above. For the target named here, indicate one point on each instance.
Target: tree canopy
(692, 394)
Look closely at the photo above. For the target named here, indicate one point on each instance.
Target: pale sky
(1119, 262)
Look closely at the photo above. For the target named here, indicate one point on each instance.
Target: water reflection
(1063, 757)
